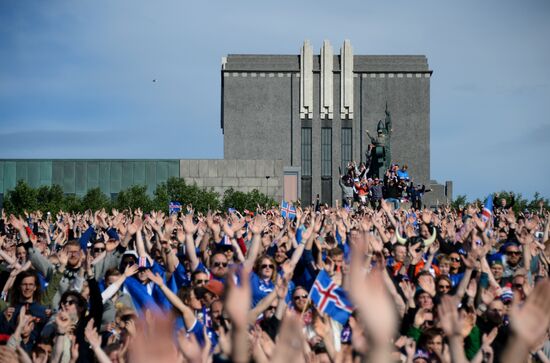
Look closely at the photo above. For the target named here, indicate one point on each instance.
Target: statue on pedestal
(379, 151)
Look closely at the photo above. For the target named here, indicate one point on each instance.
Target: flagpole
(308, 301)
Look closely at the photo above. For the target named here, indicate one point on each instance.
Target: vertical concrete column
(306, 81)
(327, 65)
(346, 81)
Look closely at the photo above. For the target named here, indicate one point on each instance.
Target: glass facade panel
(92, 174)
(81, 186)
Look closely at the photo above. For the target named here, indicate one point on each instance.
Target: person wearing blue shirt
(262, 279)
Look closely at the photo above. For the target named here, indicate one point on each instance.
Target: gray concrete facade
(261, 117)
(241, 175)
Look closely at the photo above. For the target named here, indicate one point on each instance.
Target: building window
(326, 165)
(346, 147)
(326, 151)
(306, 166)
(306, 151)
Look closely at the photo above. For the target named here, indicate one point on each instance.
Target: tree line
(52, 198)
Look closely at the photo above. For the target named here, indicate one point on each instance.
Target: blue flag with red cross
(330, 298)
(288, 210)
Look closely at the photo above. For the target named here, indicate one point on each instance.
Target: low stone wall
(241, 175)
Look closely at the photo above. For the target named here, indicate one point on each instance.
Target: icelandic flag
(487, 211)
(288, 210)
(329, 298)
(174, 208)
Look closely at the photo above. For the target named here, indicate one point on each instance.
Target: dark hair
(16, 295)
(73, 242)
(428, 335)
(184, 293)
(112, 272)
(81, 302)
(196, 272)
(336, 251)
(113, 347)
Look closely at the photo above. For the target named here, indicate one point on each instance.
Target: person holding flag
(330, 298)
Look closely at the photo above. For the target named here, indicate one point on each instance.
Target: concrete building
(312, 112)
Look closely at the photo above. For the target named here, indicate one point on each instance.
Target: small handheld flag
(287, 210)
(329, 298)
(487, 211)
(174, 208)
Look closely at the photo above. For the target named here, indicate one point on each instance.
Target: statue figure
(379, 151)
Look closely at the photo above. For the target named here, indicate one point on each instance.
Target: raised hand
(92, 335)
(63, 257)
(408, 290)
(16, 223)
(258, 224)
(63, 322)
(488, 295)
(228, 230)
(188, 225)
(426, 216)
(131, 270)
(451, 323)
(488, 339)
(531, 321)
(156, 278)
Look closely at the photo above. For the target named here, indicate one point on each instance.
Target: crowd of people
(361, 188)
(424, 285)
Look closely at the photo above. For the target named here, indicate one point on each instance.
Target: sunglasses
(298, 297)
(271, 308)
(268, 265)
(456, 259)
(513, 253)
(99, 249)
(444, 286)
(220, 264)
(69, 302)
(198, 282)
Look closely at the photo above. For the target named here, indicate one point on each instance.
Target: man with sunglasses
(512, 259)
(199, 278)
(218, 266)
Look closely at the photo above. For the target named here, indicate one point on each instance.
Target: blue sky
(76, 76)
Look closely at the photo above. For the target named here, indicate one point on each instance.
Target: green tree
(95, 199)
(459, 202)
(49, 198)
(134, 197)
(241, 200)
(22, 197)
(72, 203)
(177, 190)
(538, 202)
